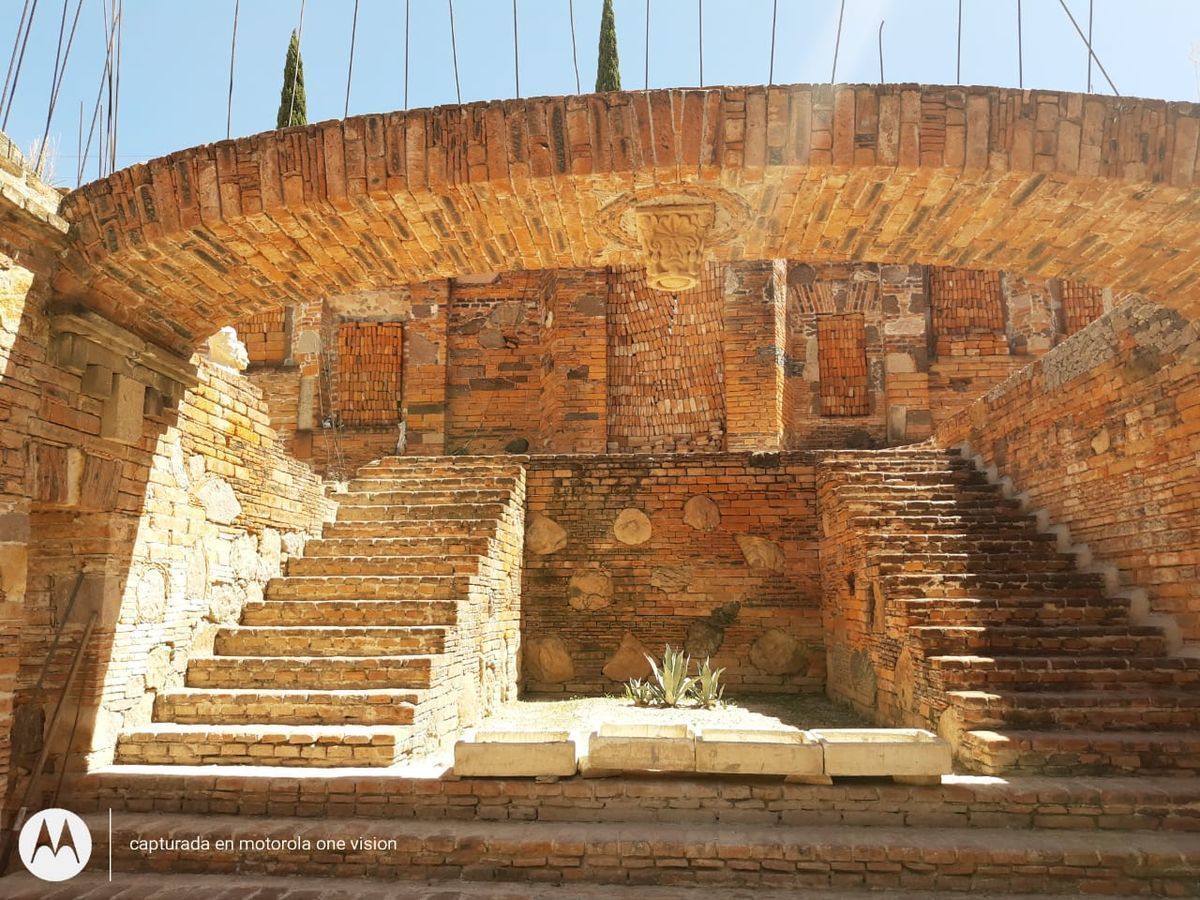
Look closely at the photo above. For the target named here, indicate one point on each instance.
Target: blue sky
(175, 68)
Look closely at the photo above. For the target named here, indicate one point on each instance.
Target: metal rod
(574, 51)
(1091, 21)
(647, 84)
(350, 67)
(774, 19)
(96, 109)
(881, 24)
(20, 61)
(296, 70)
(1020, 50)
(79, 148)
(516, 51)
(454, 51)
(12, 59)
(407, 11)
(1083, 37)
(837, 44)
(232, 55)
(700, 17)
(56, 86)
(958, 58)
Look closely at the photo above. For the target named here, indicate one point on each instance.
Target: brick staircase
(978, 627)
(394, 629)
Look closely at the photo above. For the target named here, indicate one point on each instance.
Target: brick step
(439, 483)
(433, 467)
(1074, 582)
(886, 492)
(914, 507)
(358, 640)
(317, 746)
(398, 546)
(961, 541)
(382, 565)
(1083, 752)
(1127, 709)
(658, 853)
(421, 495)
(913, 478)
(1095, 640)
(350, 612)
(401, 512)
(362, 587)
(1041, 611)
(459, 529)
(312, 672)
(917, 562)
(1038, 673)
(897, 522)
(247, 706)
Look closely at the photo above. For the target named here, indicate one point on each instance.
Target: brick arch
(1096, 189)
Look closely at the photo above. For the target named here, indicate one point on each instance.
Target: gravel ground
(769, 711)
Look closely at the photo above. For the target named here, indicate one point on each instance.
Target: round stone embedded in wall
(543, 535)
(590, 589)
(547, 660)
(702, 513)
(629, 661)
(778, 653)
(632, 527)
(761, 553)
(703, 639)
(220, 503)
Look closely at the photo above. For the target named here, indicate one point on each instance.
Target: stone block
(736, 751)
(904, 752)
(508, 754)
(640, 748)
(121, 419)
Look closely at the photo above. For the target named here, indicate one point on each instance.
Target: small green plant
(642, 693)
(709, 691)
(671, 682)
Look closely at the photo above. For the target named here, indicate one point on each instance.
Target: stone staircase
(977, 626)
(393, 630)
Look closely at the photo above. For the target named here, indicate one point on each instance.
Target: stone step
(1017, 640)
(896, 522)
(358, 640)
(918, 562)
(350, 612)
(458, 529)
(658, 853)
(398, 546)
(1083, 752)
(416, 587)
(422, 495)
(972, 494)
(1073, 583)
(433, 467)
(438, 482)
(1039, 611)
(957, 542)
(311, 672)
(905, 477)
(950, 507)
(248, 706)
(1135, 709)
(402, 512)
(1066, 672)
(316, 746)
(382, 565)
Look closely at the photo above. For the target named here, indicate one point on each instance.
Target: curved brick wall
(1098, 189)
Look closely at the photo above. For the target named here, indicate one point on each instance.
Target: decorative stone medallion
(672, 238)
(632, 527)
(702, 513)
(590, 589)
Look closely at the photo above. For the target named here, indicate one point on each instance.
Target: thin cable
(350, 68)
(58, 80)
(1091, 21)
(99, 96)
(574, 52)
(774, 19)
(1083, 38)
(296, 71)
(837, 44)
(700, 16)
(232, 55)
(958, 59)
(79, 147)
(20, 61)
(881, 24)
(454, 51)
(407, 10)
(647, 84)
(12, 59)
(1020, 51)
(516, 51)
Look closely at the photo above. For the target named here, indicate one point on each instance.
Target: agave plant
(642, 693)
(672, 682)
(709, 691)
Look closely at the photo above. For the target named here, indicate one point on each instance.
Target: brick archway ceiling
(1092, 188)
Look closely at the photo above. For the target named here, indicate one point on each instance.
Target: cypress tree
(608, 68)
(292, 108)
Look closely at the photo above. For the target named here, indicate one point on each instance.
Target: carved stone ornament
(672, 238)
(226, 349)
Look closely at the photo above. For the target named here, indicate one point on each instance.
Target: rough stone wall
(665, 367)
(716, 553)
(1103, 433)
